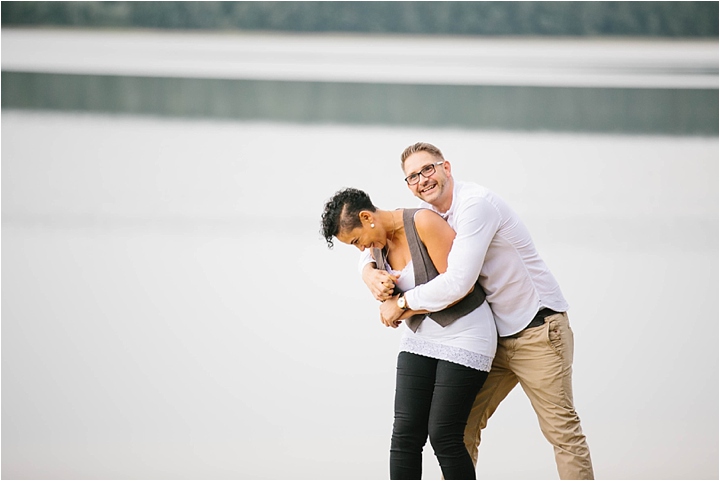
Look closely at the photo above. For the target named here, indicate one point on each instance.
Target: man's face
(434, 189)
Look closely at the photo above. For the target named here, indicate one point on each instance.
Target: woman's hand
(381, 283)
(390, 312)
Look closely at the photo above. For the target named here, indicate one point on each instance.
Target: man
(535, 345)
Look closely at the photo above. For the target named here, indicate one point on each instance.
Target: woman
(444, 357)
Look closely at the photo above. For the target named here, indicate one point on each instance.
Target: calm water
(571, 85)
(170, 311)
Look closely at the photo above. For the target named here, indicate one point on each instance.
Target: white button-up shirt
(493, 243)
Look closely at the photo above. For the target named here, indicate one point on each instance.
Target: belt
(539, 318)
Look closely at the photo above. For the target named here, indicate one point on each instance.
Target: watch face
(401, 302)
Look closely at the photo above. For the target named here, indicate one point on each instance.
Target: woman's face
(364, 237)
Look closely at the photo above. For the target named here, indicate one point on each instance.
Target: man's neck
(443, 205)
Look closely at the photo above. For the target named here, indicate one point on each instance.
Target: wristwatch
(401, 302)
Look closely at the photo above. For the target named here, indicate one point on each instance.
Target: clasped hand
(390, 313)
(381, 284)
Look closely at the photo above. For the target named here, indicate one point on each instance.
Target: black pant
(434, 398)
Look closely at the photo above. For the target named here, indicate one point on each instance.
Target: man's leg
(497, 386)
(542, 361)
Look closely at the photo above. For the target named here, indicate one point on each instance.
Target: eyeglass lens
(426, 172)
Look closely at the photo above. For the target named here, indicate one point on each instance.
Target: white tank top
(469, 341)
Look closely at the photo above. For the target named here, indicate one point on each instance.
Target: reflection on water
(572, 85)
(617, 110)
(170, 311)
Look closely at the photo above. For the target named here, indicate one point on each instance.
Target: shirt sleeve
(365, 258)
(477, 222)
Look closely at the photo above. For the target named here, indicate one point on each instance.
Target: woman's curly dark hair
(341, 212)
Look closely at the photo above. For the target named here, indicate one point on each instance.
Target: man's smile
(428, 188)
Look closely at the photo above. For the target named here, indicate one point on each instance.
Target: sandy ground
(170, 310)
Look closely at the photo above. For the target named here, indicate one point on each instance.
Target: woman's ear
(367, 217)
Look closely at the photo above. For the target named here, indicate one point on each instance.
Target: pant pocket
(560, 338)
(554, 336)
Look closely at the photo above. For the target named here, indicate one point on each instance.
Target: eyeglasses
(426, 172)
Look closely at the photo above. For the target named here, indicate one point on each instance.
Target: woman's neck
(398, 251)
(392, 224)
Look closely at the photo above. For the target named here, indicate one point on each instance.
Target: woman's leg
(413, 398)
(455, 389)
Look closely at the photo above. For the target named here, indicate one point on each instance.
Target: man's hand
(381, 283)
(390, 312)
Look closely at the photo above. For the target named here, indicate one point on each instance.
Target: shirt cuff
(410, 299)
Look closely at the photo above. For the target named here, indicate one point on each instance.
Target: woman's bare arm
(437, 235)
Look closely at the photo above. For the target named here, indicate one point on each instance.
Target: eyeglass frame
(419, 173)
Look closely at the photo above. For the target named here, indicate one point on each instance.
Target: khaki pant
(540, 359)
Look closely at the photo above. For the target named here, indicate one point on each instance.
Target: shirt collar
(449, 212)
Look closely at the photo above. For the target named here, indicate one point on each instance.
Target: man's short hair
(420, 147)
